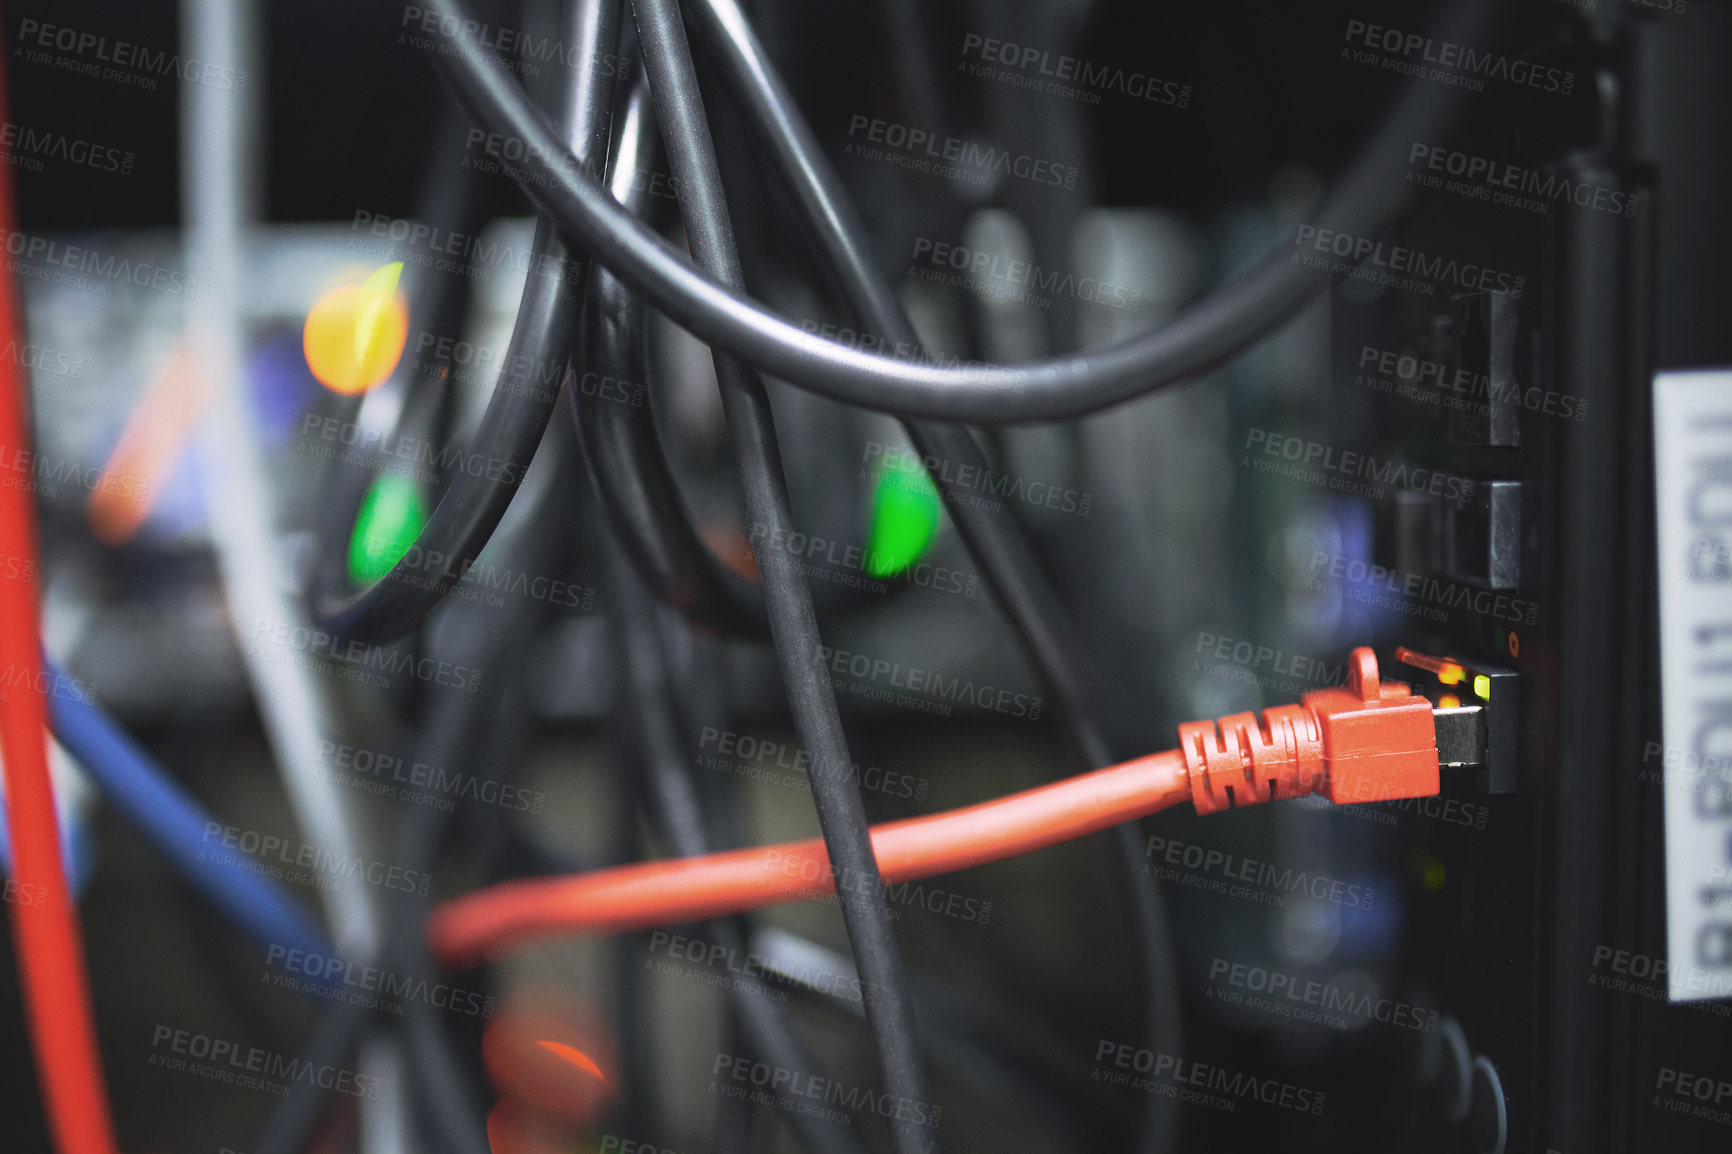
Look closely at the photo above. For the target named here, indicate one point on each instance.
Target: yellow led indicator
(1482, 687)
(1449, 701)
(355, 333)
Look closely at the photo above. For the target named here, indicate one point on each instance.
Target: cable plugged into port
(1476, 716)
(1369, 740)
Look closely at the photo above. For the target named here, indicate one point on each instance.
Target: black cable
(439, 297)
(639, 495)
(652, 718)
(911, 63)
(1033, 124)
(636, 487)
(438, 300)
(632, 1026)
(443, 1086)
(472, 728)
(444, 1089)
(457, 727)
(1202, 337)
(339, 1028)
(291, 1124)
(451, 733)
(734, 1116)
(489, 471)
(994, 537)
(1031, 1075)
(793, 621)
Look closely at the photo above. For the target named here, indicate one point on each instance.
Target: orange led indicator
(573, 1055)
(1446, 670)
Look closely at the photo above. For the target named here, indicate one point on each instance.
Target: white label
(1693, 494)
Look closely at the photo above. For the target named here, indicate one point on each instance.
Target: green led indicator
(391, 518)
(905, 510)
(1433, 875)
(1482, 687)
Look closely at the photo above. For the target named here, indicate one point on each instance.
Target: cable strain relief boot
(1368, 740)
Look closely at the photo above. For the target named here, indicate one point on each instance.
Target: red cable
(50, 947)
(1370, 740)
(636, 897)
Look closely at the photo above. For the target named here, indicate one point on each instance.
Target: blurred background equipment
(460, 453)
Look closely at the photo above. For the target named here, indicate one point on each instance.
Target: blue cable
(175, 823)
